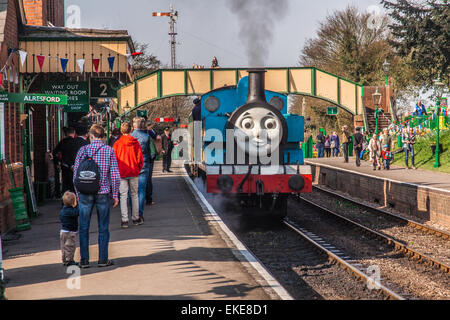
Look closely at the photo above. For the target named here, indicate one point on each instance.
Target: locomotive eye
(247, 123)
(269, 123)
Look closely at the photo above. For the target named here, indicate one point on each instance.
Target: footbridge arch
(313, 82)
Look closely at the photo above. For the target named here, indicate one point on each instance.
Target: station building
(40, 55)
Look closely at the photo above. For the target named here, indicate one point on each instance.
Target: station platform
(175, 255)
(423, 178)
(421, 195)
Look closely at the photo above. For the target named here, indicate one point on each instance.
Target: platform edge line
(251, 259)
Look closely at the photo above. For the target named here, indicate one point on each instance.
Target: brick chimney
(41, 12)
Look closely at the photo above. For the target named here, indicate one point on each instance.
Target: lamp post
(377, 102)
(386, 67)
(439, 86)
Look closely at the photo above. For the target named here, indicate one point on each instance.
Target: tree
(349, 46)
(421, 34)
(145, 62)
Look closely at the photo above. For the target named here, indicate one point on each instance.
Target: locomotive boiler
(249, 149)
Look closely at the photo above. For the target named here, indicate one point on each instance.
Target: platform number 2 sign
(104, 88)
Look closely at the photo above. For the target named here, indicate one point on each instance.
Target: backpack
(87, 179)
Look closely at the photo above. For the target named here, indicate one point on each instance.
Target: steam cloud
(257, 19)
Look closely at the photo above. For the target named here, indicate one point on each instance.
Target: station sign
(77, 94)
(104, 87)
(33, 98)
(332, 111)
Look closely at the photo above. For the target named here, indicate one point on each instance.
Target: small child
(69, 230)
(386, 156)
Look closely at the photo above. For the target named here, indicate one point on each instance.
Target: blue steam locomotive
(250, 146)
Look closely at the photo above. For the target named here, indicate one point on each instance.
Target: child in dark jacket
(69, 229)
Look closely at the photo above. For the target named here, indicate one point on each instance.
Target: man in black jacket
(358, 140)
(167, 147)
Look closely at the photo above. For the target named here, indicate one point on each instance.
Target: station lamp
(376, 102)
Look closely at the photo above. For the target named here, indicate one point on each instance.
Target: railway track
(400, 244)
(362, 247)
(410, 223)
(338, 256)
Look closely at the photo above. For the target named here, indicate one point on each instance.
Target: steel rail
(409, 222)
(414, 254)
(346, 265)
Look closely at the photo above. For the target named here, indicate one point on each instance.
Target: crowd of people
(94, 172)
(378, 147)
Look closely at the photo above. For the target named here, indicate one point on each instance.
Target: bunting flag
(41, 60)
(130, 59)
(137, 53)
(23, 56)
(1, 81)
(64, 62)
(111, 63)
(96, 63)
(80, 63)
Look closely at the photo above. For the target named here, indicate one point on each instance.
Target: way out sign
(33, 98)
(77, 94)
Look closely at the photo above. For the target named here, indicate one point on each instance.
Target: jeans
(361, 155)
(149, 192)
(386, 163)
(320, 149)
(85, 206)
(409, 148)
(335, 152)
(328, 152)
(143, 178)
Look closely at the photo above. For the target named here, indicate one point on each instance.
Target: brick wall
(38, 12)
(12, 130)
(428, 204)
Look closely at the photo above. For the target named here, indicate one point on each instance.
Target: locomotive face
(263, 129)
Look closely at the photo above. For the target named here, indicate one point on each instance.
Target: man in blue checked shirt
(106, 160)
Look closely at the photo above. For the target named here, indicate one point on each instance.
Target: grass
(423, 156)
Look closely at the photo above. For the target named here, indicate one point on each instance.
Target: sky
(208, 28)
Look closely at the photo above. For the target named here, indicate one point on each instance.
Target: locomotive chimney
(256, 86)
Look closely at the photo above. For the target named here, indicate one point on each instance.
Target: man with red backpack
(96, 177)
(130, 160)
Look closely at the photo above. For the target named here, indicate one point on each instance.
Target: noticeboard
(77, 94)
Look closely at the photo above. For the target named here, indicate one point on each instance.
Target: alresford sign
(33, 98)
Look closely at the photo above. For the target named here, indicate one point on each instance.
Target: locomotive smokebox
(256, 86)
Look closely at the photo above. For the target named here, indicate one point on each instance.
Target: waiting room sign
(77, 94)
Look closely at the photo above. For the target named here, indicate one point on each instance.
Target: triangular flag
(130, 59)
(96, 63)
(41, 60)
(64, 64)
(111, 63)
(23, 56)
(1, 81)
(80, 63)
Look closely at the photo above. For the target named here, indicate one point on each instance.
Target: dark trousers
(357, 156)
(328, 152)
(149, 190)
(167, 161)
(67, 180)
(345, 151)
